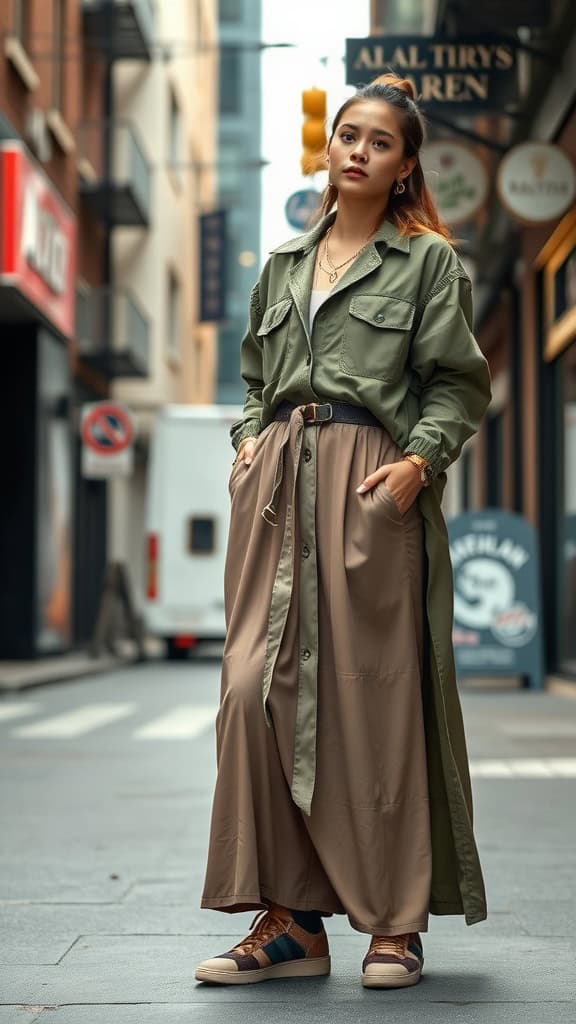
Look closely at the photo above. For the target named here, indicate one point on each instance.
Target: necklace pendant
(332, 277)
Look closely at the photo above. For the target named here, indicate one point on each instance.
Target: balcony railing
(115, 175)
(112, 332)
(120, 29)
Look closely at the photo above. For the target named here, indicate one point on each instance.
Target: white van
(187, 520)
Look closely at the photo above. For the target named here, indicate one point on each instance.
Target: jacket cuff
(238, 432)
(429, 451)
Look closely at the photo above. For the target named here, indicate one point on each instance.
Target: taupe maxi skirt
(364, 849)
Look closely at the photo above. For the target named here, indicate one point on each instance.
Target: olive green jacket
(394, 335)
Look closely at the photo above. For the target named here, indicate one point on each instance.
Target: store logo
(485, 588)
(536, 182)
(457, 177)
(44, 244)
(484, 598)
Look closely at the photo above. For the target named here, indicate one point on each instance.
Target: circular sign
(107, 429)
(536, 182)
(301, 206)
(456, 177)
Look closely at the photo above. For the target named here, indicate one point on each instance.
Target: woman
(343, 782)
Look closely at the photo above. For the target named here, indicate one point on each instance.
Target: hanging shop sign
(107, 433)
(497, 614)
(536, 182)
(301, 206)
(213, 250)
(38, 246)
(510, 13)
(467, 74)
(456, 177)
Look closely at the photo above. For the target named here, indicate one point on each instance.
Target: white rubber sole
(290, 969)
(399, 980)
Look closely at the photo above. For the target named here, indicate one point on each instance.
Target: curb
(16, 676)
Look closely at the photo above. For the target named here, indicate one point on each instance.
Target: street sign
(300, 206)
(497, 613)
(212, 265)
(107, 440)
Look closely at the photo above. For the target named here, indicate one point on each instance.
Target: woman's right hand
(246, 450)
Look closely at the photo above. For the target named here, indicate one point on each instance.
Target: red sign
(38, 248)
(107, 428)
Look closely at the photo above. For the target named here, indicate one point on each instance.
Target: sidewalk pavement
(20, 675)
(107, 792)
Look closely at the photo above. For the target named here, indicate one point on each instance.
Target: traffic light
(314, 138)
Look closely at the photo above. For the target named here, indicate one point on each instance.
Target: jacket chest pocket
(274, 331)
(376, 338)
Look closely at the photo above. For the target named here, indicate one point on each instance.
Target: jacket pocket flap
(383, 311)
(274, 316)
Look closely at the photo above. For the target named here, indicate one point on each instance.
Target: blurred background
(152, 153)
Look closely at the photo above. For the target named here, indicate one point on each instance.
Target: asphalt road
(105, 802)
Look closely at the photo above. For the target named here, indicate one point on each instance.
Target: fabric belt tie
(299, 416)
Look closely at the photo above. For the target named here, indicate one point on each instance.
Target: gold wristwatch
(423, 465)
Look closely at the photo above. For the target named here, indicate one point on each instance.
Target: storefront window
(567, 531)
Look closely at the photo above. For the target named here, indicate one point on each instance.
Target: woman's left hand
(402, 480)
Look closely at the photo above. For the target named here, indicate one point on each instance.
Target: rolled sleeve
(451, 373)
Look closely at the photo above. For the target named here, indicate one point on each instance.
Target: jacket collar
(387, 232)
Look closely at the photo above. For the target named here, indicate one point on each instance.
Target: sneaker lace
(268, 926)
(389, 944)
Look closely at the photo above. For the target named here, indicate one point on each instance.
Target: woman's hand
(246, 450)
(402, 480)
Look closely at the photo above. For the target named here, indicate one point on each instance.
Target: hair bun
(404, 84)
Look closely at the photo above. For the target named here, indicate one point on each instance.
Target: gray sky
(320, 30)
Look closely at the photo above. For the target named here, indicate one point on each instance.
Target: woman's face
(368, 137)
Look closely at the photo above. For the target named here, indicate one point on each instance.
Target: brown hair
(414, 212)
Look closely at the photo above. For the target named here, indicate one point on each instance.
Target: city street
(105, 814)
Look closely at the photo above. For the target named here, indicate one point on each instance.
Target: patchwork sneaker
(393, 961)
(277, 947)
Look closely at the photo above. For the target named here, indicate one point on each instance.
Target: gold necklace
(333, 269)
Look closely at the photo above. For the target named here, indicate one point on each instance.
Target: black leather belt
(324, 412)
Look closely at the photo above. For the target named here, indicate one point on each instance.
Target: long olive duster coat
(396, 331)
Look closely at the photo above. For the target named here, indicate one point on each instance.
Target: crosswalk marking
(187, 721)
(525, 768)
(183, 722)
(75, 723)
(8, 711)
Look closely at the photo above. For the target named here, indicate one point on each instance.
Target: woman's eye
(346, 135)
(380, 142)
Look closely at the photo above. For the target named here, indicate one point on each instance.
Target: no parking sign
(107, 440)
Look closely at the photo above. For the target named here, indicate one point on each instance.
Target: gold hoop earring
(400, 187)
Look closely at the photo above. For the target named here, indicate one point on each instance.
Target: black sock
(310, 920)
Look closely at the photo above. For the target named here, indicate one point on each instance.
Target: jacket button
(306, 551)
(379, 316)
(307, 454)
(305, 654)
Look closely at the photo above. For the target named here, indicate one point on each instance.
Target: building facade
(170, 106)
(107, 136)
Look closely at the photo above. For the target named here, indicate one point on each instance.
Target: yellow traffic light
(314, 138)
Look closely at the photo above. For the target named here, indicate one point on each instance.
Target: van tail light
(152, 566)
(185, 641)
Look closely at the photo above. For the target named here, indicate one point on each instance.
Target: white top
(317, 297)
